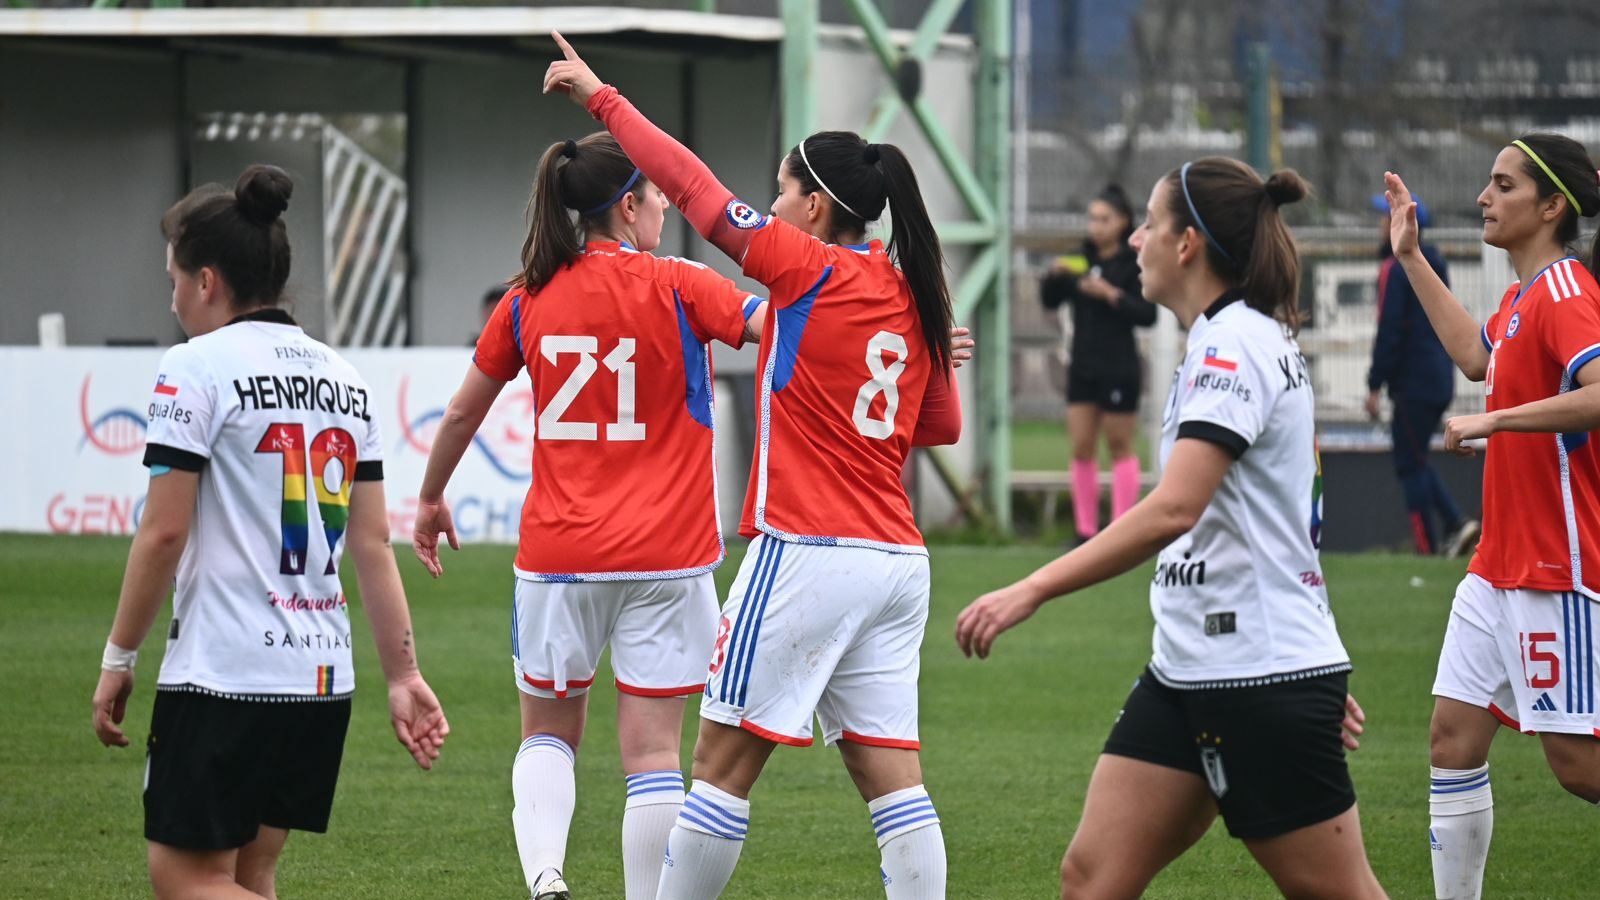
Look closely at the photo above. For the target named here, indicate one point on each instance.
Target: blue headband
(1183, 179)
(626, 187)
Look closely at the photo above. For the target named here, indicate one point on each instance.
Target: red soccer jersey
(1541, 492)
(624, 473)
(843, 369)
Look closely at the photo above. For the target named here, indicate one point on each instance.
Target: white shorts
(1526, 656)
(834, 631)
(660, 634)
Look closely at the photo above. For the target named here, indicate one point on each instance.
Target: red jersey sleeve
(785, 259)
(499, 351)
(1570, 329)
(939, 421)
(714, 306)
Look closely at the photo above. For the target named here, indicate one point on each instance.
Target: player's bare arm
(418, 720)
(152, 562)
(1460, 333)
(1573, 412)
(1186, 488)
(461, 420)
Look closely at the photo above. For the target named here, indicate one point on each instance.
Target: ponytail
(863, 180)
(588, 176)
(1569, 161)
(1246, 241)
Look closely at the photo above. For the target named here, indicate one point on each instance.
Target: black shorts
(1272, 754)
(1116, 392)
(218, 768)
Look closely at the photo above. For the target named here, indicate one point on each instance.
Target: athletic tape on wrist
(117, 659)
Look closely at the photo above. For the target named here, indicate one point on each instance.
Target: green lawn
(1042, 445)
(1008, 747)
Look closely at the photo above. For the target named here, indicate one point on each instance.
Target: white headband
(824, 187)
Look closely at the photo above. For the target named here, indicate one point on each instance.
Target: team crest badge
(744, 216)
(1514, 324)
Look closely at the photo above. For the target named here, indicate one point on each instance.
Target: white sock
(543, 789)
(654, 799)
(704, 845)
(1461, 810)
(912, 844)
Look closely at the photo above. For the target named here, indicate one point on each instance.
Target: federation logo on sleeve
(744, 216)
(1216, 359)
(166, 390)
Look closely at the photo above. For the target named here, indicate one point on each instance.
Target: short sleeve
(499, 350)
(369, 455)
(1570, 329)
(183, 405)
(713, 305)
(1488, 329)
(1224, 397)
(785, 259)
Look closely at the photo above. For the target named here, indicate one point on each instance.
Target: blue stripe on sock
(689, 816)
(901, 805)
(1463, 788)
(889, 822)
(540, 741)
(664, 774)
(930, 817)
(766, 594)
(1473, 777)
(668, 781)
(741, 624)
(711, 810)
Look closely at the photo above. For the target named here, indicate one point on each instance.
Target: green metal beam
(992, 146)
(934, 24)
(955, 163)
(105, 4)
(797, 60)
(964, 232)
(975, 282)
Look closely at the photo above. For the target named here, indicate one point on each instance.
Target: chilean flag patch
(1216, 360)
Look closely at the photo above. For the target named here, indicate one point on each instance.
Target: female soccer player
(1104, 380)
(1519, 649)
(248, 419)
(620, 530)
(1239, 711)
(828, 611)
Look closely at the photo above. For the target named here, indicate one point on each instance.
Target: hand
(1402, 215)
(990, 615)
(433, 519)
(960, 346)
(1354, 723)
(1098, 288)
(110, 705)
(571, 76)
(418, 720)
(1371, 405)
(1458, 430)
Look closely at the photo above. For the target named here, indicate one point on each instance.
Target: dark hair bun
(570, 149)
(262, 193)
(870, 155)
(1286, 186)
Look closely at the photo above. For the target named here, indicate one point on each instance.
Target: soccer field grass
(1008, 746)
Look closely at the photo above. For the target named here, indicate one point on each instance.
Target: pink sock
(1086, 496)
(1124, 485)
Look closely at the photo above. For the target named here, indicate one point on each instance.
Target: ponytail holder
(1183, 178)
(570, 149)
(869, 154)
(1559, 186)
(626, 187)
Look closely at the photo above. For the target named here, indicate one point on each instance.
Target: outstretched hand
(571, 75)
(1402, 215)
(961, 344)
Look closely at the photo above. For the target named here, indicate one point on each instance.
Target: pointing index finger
(566, 48)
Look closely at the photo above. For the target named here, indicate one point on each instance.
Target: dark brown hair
(574, 176)
(239, 233)
(866, 178)
(1247, 243)
(1571, 163)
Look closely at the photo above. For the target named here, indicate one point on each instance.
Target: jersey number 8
(883, 382)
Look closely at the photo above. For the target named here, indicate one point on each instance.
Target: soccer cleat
(551, 886)
(1464, 538)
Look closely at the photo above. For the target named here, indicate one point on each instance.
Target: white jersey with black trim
(280, 428)
(1240, 599)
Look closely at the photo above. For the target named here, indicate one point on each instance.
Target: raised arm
(1461, 334)
(707, 205)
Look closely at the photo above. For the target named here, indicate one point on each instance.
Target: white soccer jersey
(280, 428)
(1240, 599)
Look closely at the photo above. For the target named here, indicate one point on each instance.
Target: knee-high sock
(1124, 485)
(704, 845)
(1086, 497)
(654, 800)
(913, 865)
(1461, 821)
(544, 791)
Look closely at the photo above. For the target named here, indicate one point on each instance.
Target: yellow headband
(1563, 188)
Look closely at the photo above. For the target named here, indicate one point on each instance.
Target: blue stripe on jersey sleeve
(750, 305)
(1580, 361)
(516, 322)
(697, 387)
(791, 327)
(1484, 333)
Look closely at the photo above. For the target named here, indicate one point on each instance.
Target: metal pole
(797, 61)
(992, 139)
(1258, 69)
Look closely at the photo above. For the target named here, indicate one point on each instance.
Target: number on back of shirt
(552, 427)
(883, 382)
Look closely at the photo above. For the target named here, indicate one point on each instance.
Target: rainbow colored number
(288, 439)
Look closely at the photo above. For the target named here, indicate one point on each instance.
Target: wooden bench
(1051, 485)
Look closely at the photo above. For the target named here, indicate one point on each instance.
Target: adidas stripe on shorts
(1526, 656)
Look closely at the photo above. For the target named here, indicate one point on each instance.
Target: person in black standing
(1408, 358)
(1103, 375)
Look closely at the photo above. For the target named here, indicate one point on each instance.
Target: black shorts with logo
(1116, 392)
(218, 768)
(1272, 754)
